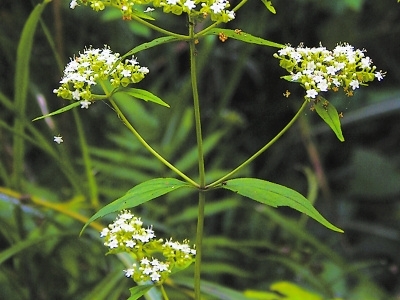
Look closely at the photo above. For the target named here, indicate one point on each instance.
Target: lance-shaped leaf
(244, 37)
(140, 194)
(276, 195)
(151, 44)
(329, 114)
(59, 111)
(145, 95)
(269, 6)
(145, 46)
(139, 290)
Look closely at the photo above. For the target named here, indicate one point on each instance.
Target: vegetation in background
(48, 192)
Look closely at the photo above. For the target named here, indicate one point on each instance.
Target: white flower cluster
(152, 269)
(319, 70)
(217, 9)
(126, 234)
(93, 66)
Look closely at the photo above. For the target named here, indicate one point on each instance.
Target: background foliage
(45, 202)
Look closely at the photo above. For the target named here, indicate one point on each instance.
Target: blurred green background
(45, 196)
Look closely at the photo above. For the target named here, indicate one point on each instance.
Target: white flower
(296, 56)
(143, 70)
(296, 76)
(126, 215)
(323, 85)
(130, 244)
(126, 73)
(76, 95)
(113, 244)
(145, 261)
(336, 82)
(355, 84)
(104, 232)
(155, 276)
(311, 93)
(218, 6)
(129, 272)
(162, 267)
(366, 62)
(286, 50)
(330, 70)
(339, 65)
(132, 61)
(73, 4)
(311, 66)
(189, 4)
(318, 78)
(231, 14)
(58, 139)
(149, 9)
(146, 270)
(379, 75)
(85, 104)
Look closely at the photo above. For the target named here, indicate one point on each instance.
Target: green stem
(196, 104)
(259, 152)
(199, 244)
(202, 198)
(159, 29)
(165, 296)
(148, 147)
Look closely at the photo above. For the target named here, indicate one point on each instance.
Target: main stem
(196, 105)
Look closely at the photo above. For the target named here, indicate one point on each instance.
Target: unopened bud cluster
(94, 66)
(217, 9)
(126, 234)
(320, 70)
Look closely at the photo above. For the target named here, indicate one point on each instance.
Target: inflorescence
(320, 70)
(95, 66)
(126, 234)
(216, 9)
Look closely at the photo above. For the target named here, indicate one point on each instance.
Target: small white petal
(149, 9)
(85, 104)
(58, 139)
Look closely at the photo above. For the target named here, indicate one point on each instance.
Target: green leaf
(269, 6)
(25, 244)
(103, 288)
(139, 291)
(329, 114)
(145, 95)
(244, 37)
(151, 44)
(24, 52)
(21, 84)
(140, 194)
(261, 295)
(59, 111)
(212, 289)
(356, 5)
(293, 292)
(276, 195)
